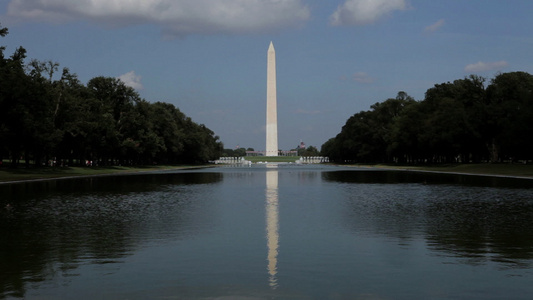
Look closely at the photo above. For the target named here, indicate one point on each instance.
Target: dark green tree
(366, 136)
(509, 125)
(113, 102)
(405, 144)
(331, 150)
(26, 128)
(105, 122)
(310, 151)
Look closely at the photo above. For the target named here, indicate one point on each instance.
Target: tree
(310, 151)
(366, 136)
(510, 116)
(74, 115)
(457, 121)
(105, 121)
(3, 31)
(331, 150)
(448, 130)
(405, 144)
(114, 101)
(15, 116)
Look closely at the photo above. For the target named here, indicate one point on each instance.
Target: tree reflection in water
(54, 227)
(473, 218)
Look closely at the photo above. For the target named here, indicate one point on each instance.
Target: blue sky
(334, 58)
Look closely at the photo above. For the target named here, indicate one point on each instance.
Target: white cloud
(175, 17)
(362, 77)
(132, 80)
(360, 12)
(486, 66)
(435, 26)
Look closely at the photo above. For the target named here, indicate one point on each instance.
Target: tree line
(44, 119)
(460, 121)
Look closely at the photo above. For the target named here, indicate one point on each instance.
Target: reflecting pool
(268, 232)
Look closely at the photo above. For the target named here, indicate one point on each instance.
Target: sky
(334, 58)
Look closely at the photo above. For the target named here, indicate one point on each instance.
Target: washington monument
(272, 110)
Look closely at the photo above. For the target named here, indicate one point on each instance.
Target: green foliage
(308, 151)
(458, 121)
(45, 119)
(510, 115)
(366, 135)
(238, 152)
(3, 31)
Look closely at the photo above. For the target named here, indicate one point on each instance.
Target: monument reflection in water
(272, 223)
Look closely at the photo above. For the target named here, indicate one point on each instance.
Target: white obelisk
(272, 110)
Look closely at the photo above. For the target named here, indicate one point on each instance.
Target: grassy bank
(20, 174)
(518, 170)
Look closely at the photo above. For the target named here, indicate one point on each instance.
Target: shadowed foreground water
(261, 232)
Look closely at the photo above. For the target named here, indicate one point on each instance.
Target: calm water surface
(280, 232)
